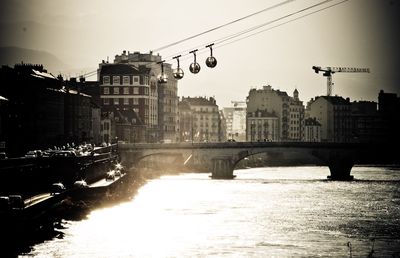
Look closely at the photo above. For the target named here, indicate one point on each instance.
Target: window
(116, 101)
(126, 90)
(106, 79)
(135, 90)
(135, 101)
(146, 91)
(106, 101)
(126, 101)
(116, 80)
(135, 79)
(125, 80)
(106, 90)
(116, 90)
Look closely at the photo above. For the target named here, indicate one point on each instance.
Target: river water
(264, 212)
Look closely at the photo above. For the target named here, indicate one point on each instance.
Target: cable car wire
(223, 25)
(278, 25)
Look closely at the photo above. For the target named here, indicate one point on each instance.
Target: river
(263, 212)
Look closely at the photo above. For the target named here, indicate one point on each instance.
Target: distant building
(186, 117)
(312, 130)
(205, 123)
(288, 111)
(222, 127)
(296, 118)
(366, 122)
(236, 121)
(334, 115)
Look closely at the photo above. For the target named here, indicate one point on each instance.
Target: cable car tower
(328, 71)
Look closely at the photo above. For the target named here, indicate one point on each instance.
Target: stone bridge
(220, 158)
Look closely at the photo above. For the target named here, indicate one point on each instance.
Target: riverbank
(19, 235)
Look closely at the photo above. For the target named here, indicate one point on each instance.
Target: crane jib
(348, 69)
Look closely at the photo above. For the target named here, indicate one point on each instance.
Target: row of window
(125, 101)
(206, 110)
(125, 91)
(294, 135)
(125, 80)
(259, 121)
(204, 125)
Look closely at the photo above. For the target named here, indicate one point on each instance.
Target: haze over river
(263, 212)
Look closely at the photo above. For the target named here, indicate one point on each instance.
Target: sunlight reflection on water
(264, 212)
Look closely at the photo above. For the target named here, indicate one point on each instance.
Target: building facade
(312, 130)
(236, 121)
(277, 106)
(262, 126)
(204, 119)
(366, 122)
(334, 115)
(388, 109)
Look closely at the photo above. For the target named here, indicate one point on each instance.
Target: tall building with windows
(273, 115)
(130, 94)
(296, 118)
(167, 93)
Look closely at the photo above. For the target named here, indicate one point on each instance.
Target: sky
(355, 33)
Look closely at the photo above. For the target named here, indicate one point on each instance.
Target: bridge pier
(222, 168)
(340, 169)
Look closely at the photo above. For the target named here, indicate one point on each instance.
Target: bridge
(220, 158)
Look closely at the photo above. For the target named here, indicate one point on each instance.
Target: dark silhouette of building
(389, 109)
(366, 122)
(40, 111)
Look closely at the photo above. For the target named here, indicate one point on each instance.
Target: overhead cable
(223, 25)
(278, 25)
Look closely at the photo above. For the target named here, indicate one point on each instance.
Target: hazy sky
(356, 33)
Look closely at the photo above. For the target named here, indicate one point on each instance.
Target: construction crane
(328, 71)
